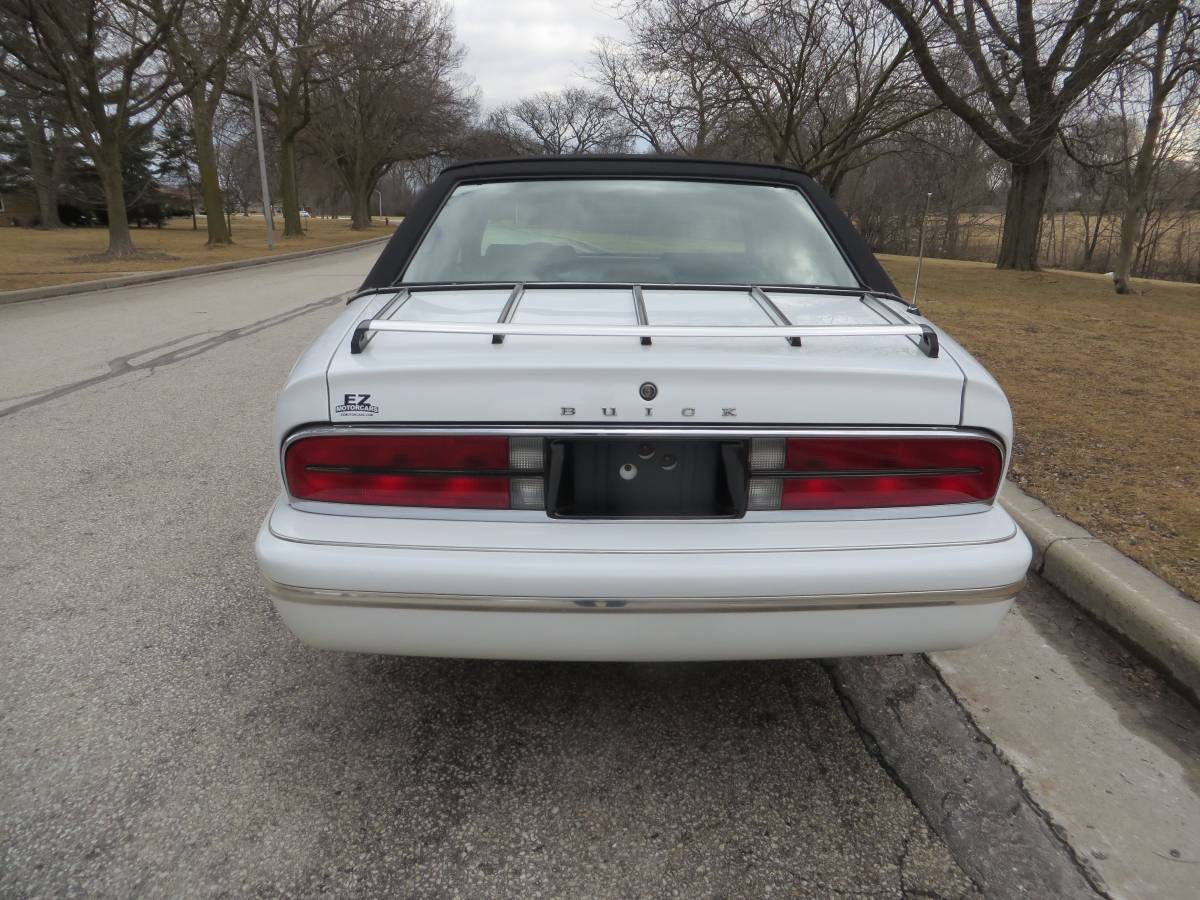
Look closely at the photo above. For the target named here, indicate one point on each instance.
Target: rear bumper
(603, 596)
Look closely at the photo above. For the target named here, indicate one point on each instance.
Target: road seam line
(120, 365)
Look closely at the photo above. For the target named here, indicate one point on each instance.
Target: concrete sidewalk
(1154, 617)
(1106, 750)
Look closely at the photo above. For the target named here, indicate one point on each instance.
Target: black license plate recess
(617, 478)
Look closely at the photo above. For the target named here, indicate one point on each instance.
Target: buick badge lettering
(611, 412)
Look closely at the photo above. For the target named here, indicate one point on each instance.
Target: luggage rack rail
(895, 323)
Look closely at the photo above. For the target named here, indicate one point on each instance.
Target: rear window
(641, 231)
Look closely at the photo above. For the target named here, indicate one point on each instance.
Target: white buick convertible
(637, 408)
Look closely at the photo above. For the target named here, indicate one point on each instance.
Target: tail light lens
(445, 471)
(872, 472)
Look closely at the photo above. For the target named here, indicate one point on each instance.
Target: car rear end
(594, 470)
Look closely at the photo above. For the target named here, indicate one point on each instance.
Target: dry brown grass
(1105, 391)
(31, 258)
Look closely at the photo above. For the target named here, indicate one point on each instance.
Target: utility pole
(921, 250)
(262, 160)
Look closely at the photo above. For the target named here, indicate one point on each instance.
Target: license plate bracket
(619, 478)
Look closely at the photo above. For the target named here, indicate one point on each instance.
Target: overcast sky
(519, 47)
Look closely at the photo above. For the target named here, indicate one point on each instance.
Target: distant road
(55, 343)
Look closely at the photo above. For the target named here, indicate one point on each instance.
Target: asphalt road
(162, 734)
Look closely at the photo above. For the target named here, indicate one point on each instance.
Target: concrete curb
(105, 284)
(1150, 614)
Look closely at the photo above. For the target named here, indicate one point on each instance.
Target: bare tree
(387, 93)
(177, 153)
(1171, 69)
(288, 45)
(238, 169)
(237, 156)
(572, 121)
(200, 49)
(43, 143)
(939, 156)
(492, 137)
(816, 83)
(1031, 61)
(100, 61)
(676, 104)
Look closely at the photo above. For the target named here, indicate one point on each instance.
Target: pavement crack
(1038, 567)
(123, 365)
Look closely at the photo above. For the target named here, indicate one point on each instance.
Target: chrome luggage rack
(923, 336)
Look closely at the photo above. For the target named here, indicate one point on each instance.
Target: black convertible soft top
(400, 248)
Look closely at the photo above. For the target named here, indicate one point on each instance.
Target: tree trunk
(950, 247)
(834, 181)
(120, 242)
(1092, 236)
(1134, 214)
(45, 186)
(289, 190)
(1137, 200)
(360, 207)
(191, 196)
(1023, 215)
(206, 162)
(58, 170)
(47, 200)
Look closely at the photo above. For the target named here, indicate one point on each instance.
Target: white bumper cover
(640, 591)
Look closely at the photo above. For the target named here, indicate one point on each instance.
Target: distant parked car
(637, 408)
(305, 214)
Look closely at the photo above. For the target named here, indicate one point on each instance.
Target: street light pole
(380, 193)
(262, 160)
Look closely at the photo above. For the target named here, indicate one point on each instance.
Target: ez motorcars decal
(356, 405)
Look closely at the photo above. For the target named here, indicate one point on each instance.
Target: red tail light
(870, 472)
(446, 471)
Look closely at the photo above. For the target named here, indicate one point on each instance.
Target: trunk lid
(859, 380)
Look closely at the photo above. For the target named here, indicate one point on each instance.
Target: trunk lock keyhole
(628, 471)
